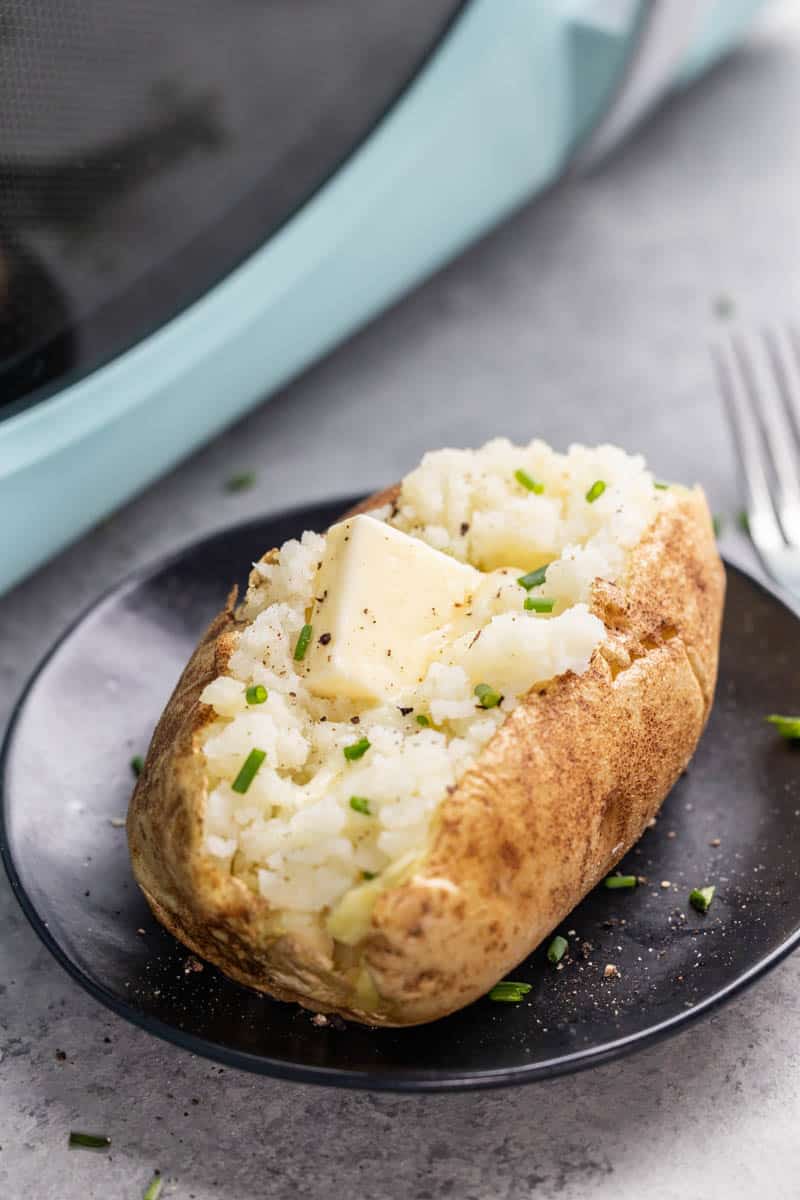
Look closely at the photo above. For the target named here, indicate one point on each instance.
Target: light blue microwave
(198, 199)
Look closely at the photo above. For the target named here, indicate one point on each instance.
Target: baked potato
(423, 737)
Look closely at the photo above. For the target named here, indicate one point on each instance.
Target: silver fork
(760, 381)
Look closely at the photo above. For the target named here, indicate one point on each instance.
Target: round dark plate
(733, 820)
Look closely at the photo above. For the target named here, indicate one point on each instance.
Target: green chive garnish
(487, 696)
(248, 772)
(538, 604)
(369, 875)
(360, 804)
(422, 720)
(596, 490)
(662, 487)
(557, 949)
(357, 750)
(743, 521)
(154, 1189)
(137, 765)
(527, 482)
(700, 898)
(717, 524)
(533, 578)
(619, 881)
(508, 991)
(240, 482)
(787, 727)
(88, 1141)
(302, 643)
(256, 694)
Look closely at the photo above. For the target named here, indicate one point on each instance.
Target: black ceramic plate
(733, 820)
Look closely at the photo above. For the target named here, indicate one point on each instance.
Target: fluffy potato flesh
(407, 838)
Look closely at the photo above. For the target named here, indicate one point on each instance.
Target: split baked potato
(422, 738)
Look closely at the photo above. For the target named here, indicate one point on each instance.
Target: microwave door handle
(667, 31)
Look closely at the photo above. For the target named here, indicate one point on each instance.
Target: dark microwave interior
(148, 148)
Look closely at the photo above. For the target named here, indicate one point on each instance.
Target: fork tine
(794, 342)
(764, 528)
(788, 345)
(779, 409)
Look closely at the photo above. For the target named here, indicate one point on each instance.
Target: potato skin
(562, 791)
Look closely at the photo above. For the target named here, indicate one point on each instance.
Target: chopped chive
(525, 479)
(369, 875)
(508, 991)
(538, 604)
(360, 804)
(723, 307)
(557, 949)
(743, 521)
(422, 720)
(256, 694)
(154, 1188)
(137, 765)
(357, 750)
(662, 487)
(240, 482)
(787, 727)
(248, 772)
(533, 578)
(700, 898)
(88, 1141)
(596, 490)
(302, 643)
(717, 524)
(487, 696)
(619, 881)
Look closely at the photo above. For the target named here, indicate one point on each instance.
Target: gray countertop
(586, 317)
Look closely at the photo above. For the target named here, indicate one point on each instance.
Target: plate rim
(405, 1080)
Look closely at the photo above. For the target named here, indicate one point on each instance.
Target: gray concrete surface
(587, 316)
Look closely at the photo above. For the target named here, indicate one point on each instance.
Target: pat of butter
(383, 602)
